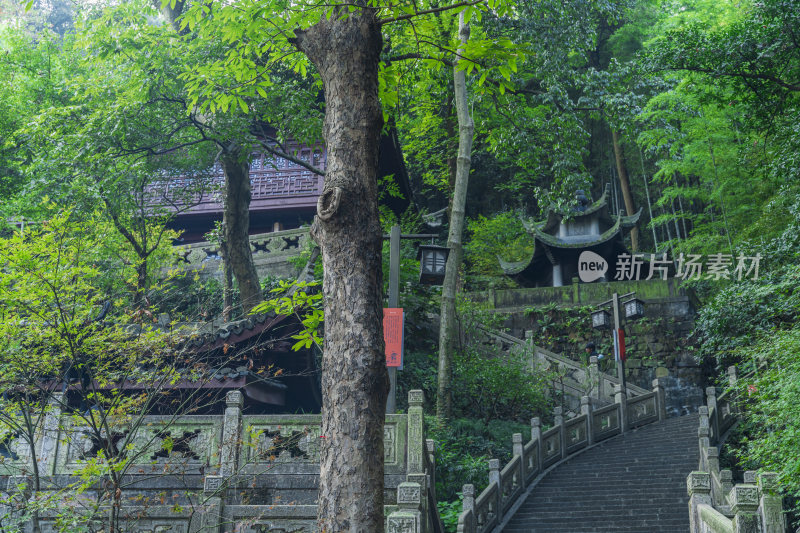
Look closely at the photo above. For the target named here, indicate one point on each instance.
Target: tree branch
(390, 20)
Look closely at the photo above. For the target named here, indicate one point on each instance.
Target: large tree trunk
(355, 383)
(463, 163)
(625, 185)
(236, 221)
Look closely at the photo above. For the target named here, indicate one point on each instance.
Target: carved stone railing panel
(511, 484)
(576, 434)
(606, 422)
(642, 410)
(530, 460)
(279, 444)
(162, 444)
(15, 455)
(486, 517)
(551, 446)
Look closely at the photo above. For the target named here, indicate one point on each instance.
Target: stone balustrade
(257, 470)
(271, 253)
(716, 504)
(531, 460)
(578, 380)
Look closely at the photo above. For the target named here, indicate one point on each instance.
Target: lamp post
(601, 319)
(430, 267)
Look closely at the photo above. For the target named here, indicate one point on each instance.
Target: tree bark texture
(355, 382)
(625, 185)
(236, 221)
(463, 163)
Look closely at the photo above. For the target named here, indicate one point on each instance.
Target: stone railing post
(622, 401)
(586, 410)
(558, 420)
(407, 519)
(702, 444)
(517, 447)
(415, 444)
(430, 446)
(698, 485)
(210, 512)
(494, 477)
(713, 412)
(733, 380)
(661, 399)
(594, 377)
(770, 506)
(422, 481)
(726, 482)
(516, 444)
(536, 434)
(468, 498)
(712, 467)
(47, 448)
(231, 433)
(744, 504)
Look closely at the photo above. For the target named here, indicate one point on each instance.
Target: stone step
(630, 483)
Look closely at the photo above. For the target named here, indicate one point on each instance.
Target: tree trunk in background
(448, 312)
(236, 221)
(355, 382)
(625, 186)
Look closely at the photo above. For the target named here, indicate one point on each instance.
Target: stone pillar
(422, 481)
(407, 519)
(586, 410)
(536, 435)
(703, 446)
(661, 399)
(713, 413)
(750, 477)
(494, 477)
(744, 504)
(516, 444)
(47, 448)
(558, 281)
(733, 380)
(468, 498)
(430, 445)
(558, 418)
(231, 433)
(698, 485)
(622, 401)
(594, 377)
(726, 482)
(712, 467)
(210, 511)
(770, 506)
(415, 442)
(518, 449)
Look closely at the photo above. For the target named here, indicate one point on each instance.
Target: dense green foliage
(99, 101)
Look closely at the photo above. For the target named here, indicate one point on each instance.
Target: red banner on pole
(393, 319)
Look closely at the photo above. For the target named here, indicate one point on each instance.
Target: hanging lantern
(601, 319)
(634, 309)
(432, 263)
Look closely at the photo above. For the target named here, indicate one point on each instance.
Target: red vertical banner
(393, 319)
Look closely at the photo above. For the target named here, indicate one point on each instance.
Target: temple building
(283, 193)
(561, 238)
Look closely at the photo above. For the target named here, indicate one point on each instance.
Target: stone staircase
(635, 482)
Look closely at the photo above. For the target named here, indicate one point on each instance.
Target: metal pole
(394, 297)
(621, 362)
